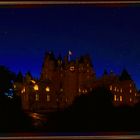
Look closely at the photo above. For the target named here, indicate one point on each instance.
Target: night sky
(110, 35)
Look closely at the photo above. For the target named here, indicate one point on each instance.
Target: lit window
(115, 98)
(110, 87)
(130, 91)
(72, 68)
(36, 87)
(130, 85)
(79, 90)
(48, 98)
(23, 90)
(120, 98)
(115, 89)
(37, 97)
(121, 90)
(130, 99)
(47, 89)
(135, 94)
(85, 90)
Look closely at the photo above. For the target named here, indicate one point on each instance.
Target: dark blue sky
(111, 35)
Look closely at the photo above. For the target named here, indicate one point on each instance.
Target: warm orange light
(115, 88)
(121, 90)
(130, 91)
(130, 99)
(36, 87)
(47, 89)
(111, 87)
(115, 98)
(120, 98)
(23, 90)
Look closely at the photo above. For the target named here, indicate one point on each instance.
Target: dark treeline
(12, 117)
(95, 112)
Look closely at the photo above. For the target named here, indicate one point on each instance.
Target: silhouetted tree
(6, 78)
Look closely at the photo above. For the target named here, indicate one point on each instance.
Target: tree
(6, 78)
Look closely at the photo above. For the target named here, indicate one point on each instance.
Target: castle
(61, 80)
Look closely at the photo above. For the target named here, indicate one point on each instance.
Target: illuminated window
(135, 94)
(130, 99)
(115, 98)
(120, 98)
(121, 90)
(79, 90)
(23, 90)
(72, 68)
(110, 87)
(48, 98)
(115, 89)
(36, 87)
(37, 97)
(47, 89)
(130, 85)
(130, 91)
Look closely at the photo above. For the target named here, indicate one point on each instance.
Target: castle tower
(48, 68)
(70, 82)
(86, 72)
